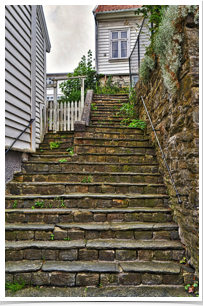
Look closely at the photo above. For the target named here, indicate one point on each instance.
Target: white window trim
(119, 39)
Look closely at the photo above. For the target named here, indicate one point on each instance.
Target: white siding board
(17, 55)
(17, 74)
(17, 98)
(13, 133)
(11, 23)
(19, 144)
(25, 16)
(25, 25)
(16, 83)
(13, 61)
(18, 38)
(17, 46)
(22, 120)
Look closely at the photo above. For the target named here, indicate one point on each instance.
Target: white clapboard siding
(40, 77)
(106, 66)
(17, 74)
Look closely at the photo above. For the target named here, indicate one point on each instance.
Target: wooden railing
(61, 116)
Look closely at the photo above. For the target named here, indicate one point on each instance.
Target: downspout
(96, 43)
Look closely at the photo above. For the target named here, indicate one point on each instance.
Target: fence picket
(64, 113)
(61, 117)
(72, 114)
(68, 110)
(50, 115)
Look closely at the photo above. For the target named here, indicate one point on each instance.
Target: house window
(119, 44)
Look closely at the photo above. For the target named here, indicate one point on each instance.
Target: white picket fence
(61, 117)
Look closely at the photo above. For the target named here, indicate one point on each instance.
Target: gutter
(96, 41)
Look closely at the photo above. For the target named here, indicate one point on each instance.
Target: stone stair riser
(120, 130)
(89, 202)
(115, 142)
(111, 135)
(111, 149)
(98, 158)
(55, 217)
(68, 167)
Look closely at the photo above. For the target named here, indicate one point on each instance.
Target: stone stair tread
(108, 139)
(93, 226)
(88, 163)
(132, 244)
(23, 266)
(29, 227)
(89, 172)
(80, 266)
(119, 226)
(103, 210)
(89, 195)
(151, 267)
(55, 244)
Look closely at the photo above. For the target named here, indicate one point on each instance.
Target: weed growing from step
(15, 286)
(70, 151)
(52, 237)
(87, 180)
(39, 204)
(93, 107)
(62, 160)
(193, 289)
(64, 136)
(67, 239)
(55, 145)
(183, 261)
(15, 204)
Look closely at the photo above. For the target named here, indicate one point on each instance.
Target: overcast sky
(72, 34)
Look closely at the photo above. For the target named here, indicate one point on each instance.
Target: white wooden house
(26, 44)
(116, 31)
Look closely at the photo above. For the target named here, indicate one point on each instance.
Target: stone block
(172, 279)
(107, 255)
(50, 254)
(87, 279)
(88, 255)
(92, 234)
(51, 219)
(31, 218)
(76, 234)
(124, 234)
(108, 234)
(145, 254)
(100, 217)
(40, 278)
(143, 235)
(14, 255)
(145, 217)
(32, 254)
(130, 279)
(85, 216)
(68, 255)
(20, 277)
(126, 255)
(115, 217)
(162, 255)
(188, 278)
(109, 279)
(174, 235)
(10, 235)
(131, 217)
(8, 278)
(161, 235)
(62, 279)
(25, 235)
(59, 234)
(66, 218)
(178, 255)
(43, 235)
(151, 279)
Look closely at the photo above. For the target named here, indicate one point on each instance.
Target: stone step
(93, 230)
(94, 177)
(61, 215)
(106, 119)
(110, 135)
(49, 167)
(96, 157)
(88, 200)
(92, 273)
(119, 129)
(111, 142)
(64, 145)
(91, 148)
(94, 250)
(61, 135)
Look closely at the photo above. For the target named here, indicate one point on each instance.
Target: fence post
(55, 106)
(82, 92)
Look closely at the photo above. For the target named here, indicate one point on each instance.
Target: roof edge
(115, 11)
(43, 24)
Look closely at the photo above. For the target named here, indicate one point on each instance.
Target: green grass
(15, 286)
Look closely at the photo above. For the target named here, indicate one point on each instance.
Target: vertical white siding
(40, 76)
(121, 66)
(17, 74)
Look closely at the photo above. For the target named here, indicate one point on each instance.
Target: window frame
(119, 30)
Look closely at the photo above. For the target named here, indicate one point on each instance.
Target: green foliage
(62, 160)
(93, 107)
(55, 145)
(15, 204)
(87, 180)
(15, 286)
(110, 88)
(52, 236)
(193, 288)
(137, 123)
(39, 204)
(71, 89)
(166, 39)
(70, 151)
(184, 260)
(67, 239)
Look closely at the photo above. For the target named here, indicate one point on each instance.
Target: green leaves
(55, 145)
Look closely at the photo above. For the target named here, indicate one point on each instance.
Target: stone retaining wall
(176, 121)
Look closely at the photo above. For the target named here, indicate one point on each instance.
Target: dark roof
(111, 8)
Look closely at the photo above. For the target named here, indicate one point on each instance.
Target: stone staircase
(101, 218)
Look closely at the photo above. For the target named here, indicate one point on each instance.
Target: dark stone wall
(13, 161)
(176, 121)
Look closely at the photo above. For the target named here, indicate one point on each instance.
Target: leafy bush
(71, 89)
(110, 87)
(147, 65)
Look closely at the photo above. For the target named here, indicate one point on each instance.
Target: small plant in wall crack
(87, 180)
(39, 204)
(52, 236)
(193, 288)
(70, 151)
(62, 160)
(55, 145)
(15, 286)
(15, 204)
